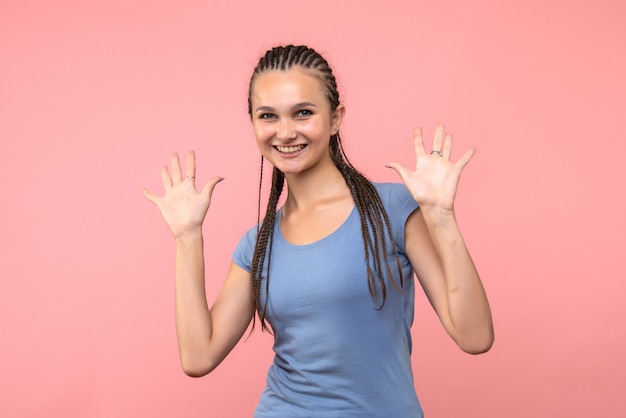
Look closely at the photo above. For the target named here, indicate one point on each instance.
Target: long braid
(340, 157)
(375, 224)
(374, 221)
(265, 239)
(258, 212)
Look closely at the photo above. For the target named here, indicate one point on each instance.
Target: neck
(307, 190)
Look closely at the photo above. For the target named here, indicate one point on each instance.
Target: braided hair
(374, 220)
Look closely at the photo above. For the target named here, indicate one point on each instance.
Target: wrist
(436, 216)
(189, 236)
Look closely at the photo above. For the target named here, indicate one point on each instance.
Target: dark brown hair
(374, 220)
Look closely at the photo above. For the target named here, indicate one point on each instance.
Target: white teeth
(289, 150)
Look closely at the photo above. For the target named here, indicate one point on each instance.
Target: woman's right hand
(182, 206)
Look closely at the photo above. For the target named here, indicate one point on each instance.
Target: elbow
(195, 372)
(476, 349)
(196, 368)
(477, 345)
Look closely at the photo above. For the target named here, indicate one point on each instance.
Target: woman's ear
(337, 117)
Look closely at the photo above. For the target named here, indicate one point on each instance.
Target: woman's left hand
(434, 181)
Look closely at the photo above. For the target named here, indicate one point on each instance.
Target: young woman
(331, 271)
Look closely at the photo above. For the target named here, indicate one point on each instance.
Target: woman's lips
(293, 149)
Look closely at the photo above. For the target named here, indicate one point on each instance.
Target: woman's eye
(266, 116)
(304, 113)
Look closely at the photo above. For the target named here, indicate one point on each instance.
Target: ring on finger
(436, 152)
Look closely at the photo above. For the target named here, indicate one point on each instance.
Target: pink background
(94, 96)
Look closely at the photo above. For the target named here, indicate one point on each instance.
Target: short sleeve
(242, 256)
(399, 204)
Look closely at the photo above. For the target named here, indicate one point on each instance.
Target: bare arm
(436, 248)
(447, 273)
(205, 336)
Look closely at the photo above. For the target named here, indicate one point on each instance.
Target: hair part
(283, 58)
(375, 225)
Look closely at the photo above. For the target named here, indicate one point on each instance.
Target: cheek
(261, 133)
(315, 128)
(263, 137)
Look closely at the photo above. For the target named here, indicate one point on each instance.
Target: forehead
(293, 84)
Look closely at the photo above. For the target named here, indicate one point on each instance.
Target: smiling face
(292, 120)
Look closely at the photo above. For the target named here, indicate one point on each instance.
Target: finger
(149, 195)
(446, 151)
(438, 139)
(207, 190)
(418, 141)
(190, 166)
(177, 174)
(400, 169)
(466, 158)
(165, 177)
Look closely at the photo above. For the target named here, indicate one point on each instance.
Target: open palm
(434, 181)
(183, 207)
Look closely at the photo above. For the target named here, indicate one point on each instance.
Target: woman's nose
(285, 130)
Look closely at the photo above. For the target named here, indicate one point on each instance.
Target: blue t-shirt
(336, 355)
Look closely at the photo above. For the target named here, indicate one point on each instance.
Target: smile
(289, 150)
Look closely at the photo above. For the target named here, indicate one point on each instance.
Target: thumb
(207, 190)
(466, 158)
(400, 169)
(149, 195)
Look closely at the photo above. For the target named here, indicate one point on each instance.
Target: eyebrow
(296, 106)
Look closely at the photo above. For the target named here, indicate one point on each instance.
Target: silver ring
(436, 152)
(190, 177)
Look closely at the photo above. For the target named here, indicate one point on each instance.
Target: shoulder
(242, 256)
(395, 195)
(399, 205)
(389, 187)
